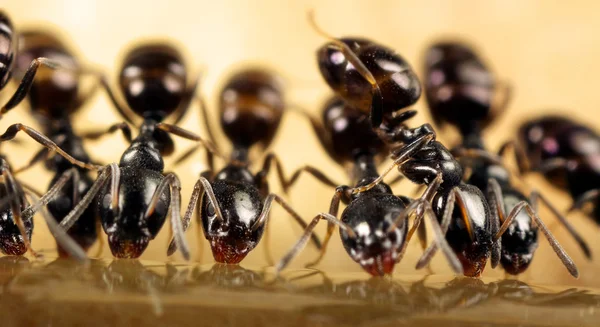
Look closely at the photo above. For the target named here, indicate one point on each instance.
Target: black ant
(566, 152)
(460, 91)
(235, 205)
(383, 84)
(373, 227)
(54, 98)
(134, 206)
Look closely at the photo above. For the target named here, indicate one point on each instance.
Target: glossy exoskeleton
(568, 154)
(134, 205)
(460, 91)
(235, 203)
(388, 87)
(55, 96)
(374, 226)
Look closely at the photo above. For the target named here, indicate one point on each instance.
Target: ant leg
(27, 82)
(171, 180)
(41, 155)
(560, 252)
(519, 155)
(290, 255)
(550, 165)
(496, 202)
(333, 210)
(100, 237)
(400, 156)
(581, 200)
(72, 217)
(12, 131)
(535, 196)
(477, 154)
(196, 195)
(446, 219)
(271, 157)
(60, 235)
(183, 133)
(117, 101)
(46, 198)
(12, 190)
(404, 215)
(264, 215)
(115, 183)
(122, 126)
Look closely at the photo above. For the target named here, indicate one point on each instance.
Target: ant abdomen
(251, 106)
(397, 82)
(349, 132)
(53, 93)
(7, 49)
(458, 86)
(130, 233)
(153, 79)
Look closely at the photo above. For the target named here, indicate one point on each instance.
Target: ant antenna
(377, 101)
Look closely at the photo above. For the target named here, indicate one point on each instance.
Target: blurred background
(547, 50)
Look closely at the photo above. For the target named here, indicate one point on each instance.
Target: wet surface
(126, 292)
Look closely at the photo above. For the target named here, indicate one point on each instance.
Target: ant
(235, 203)
(373, 227)
(134, 205)
(54, 98)
(460, 91)
(565, 151)
(383, 84)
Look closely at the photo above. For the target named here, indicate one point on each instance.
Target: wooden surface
(547, 50)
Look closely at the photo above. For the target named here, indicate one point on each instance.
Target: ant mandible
(235, 204)
(374, 225)
(461, 91)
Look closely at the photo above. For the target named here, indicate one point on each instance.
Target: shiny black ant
(374, 225)
(235, 205)
(134, 206)
(567, 153)
(379, 82)
(54, 98)
(460, 91)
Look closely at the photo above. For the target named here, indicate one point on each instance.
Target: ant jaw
(515, 264)
(379, 265)
(13, 245)
(228, 252)
(473, 266)
(127, 248)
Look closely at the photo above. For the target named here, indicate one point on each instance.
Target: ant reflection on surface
(566, 152)
(460, 91)
(374, 225)
(235, 204)
(384, 92)
(134, 205)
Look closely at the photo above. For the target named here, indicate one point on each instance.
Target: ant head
(232, 236)
(132, 229)
(251, 106)
(375, 247)
(54, 93)
(517, 249)
(368, 76)
(349, 132)
(153, 79)
(459, 87)
(8, 48)
(11, 240)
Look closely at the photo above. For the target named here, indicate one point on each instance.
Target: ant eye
(210, 210)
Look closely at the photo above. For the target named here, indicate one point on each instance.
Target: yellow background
(548, 51)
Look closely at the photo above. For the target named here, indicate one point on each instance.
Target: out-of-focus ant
(374, 225)
(55, 96)
(134, 205)
(460, 91)
(379, 82)
(235, 204)
(568, 154)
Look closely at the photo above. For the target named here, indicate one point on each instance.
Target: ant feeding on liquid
(566, 153)
(461, 91)
(235, 203)
(374, 226)
(134, 205)
(385, 91)
(54, 97)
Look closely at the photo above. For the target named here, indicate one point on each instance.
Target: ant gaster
(461, 91)
(388, 85)
(235, 204)
(134, 205)
(374, 225)
(566, 152)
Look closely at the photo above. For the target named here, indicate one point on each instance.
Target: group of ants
(472, 207)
